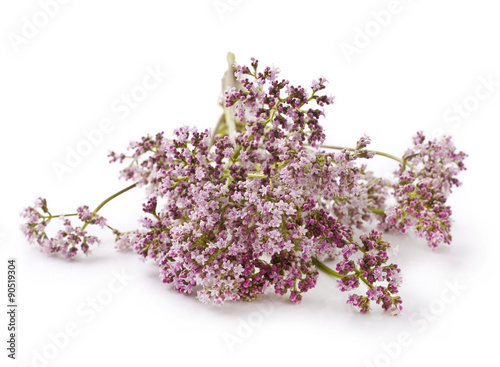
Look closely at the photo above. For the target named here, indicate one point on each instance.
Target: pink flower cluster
(229, 217)
(372, 271)
(68, 240)
(257, 209)
(422, 191)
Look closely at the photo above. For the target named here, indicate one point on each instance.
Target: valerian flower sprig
(422, 191)
(262, 203)
(68, 240)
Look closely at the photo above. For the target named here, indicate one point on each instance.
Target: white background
(64, 79)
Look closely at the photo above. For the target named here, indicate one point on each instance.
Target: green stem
(99, 207)
(256, 175)
(326, 269)
(333, 273)
(366, 282)
(387, 155)
(49, 217)
(215, 131)
(377, 211)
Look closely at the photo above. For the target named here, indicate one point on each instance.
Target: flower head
(423, 188)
